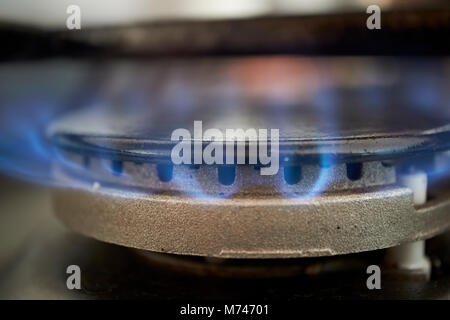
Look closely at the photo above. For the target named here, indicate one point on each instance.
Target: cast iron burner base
(35, 267)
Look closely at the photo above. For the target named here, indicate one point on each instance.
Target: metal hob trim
(264, 227)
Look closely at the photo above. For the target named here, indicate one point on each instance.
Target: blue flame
(27, 106)
(24, 152)
(326, 102)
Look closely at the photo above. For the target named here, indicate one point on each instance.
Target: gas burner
(352, 175)
(340, 133)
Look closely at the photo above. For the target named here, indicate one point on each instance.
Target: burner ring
(362, 128)
(253, 226)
